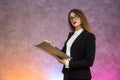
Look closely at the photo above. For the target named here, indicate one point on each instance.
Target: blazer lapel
(79, 37)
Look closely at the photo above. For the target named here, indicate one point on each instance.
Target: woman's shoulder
(89, 34)
(71, 32)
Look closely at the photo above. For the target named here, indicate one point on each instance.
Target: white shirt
(69, 44)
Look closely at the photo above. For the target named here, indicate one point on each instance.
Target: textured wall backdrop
(27, 22)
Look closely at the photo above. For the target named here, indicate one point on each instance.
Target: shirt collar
(78, 32)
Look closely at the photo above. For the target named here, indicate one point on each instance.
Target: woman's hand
(48, 41)
(62, 61)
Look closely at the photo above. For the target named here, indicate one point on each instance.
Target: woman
(80, 45)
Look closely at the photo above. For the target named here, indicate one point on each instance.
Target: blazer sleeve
(89, 54)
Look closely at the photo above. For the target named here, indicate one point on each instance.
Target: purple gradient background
(27, 22)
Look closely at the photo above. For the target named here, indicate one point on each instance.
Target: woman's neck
(78, 28)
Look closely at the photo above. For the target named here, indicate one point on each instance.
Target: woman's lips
(74, 22)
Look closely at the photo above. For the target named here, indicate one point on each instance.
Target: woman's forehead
(72, 14)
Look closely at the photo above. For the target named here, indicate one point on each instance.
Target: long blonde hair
(84, 22)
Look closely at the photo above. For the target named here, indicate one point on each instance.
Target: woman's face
(75, 20)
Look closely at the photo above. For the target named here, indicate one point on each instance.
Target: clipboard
(52, 50)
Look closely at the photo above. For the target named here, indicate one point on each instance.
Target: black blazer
(83, 54)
